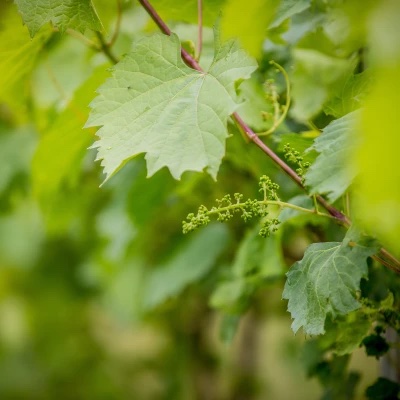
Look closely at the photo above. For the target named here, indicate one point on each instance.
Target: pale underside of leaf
(325, 282)
(157, 105)
(332, 171)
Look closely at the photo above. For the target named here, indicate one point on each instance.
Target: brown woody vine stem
(384, 257)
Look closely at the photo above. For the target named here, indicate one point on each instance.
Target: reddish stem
(190, 61)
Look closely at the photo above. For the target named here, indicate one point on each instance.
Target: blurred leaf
(332, 172)
(383, 389)
(195, 258)
(251, 29)
(229, 327)
(254, 103)
(18, 55)
(21, 234)
(287, 9)
(351, 96)
(325, 282)
(150, 108)
(258, 256)
(60, 151)
(232, 296)
(146, 196)
(16, 150)
(62, 68)
(256, 260)
(315, 79)
(378, 196)
(75, 14)
(375, 345)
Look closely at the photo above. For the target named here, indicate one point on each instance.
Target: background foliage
(101, 295)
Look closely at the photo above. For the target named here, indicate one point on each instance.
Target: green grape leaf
(75, 14)
(325, 282)
(345, 334)
(193, 260)
(331, 172)
(156, 104)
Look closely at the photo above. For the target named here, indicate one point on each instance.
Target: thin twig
(279, 120)
(82, 38)
(189, 60)
(106, 49)
(200, 29)
(339, 216)
(117, 25)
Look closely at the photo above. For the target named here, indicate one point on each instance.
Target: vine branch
(338, 215)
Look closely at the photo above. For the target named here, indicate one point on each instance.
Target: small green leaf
(75, 14)
(325, 282)
(156, 104)
(331, 173)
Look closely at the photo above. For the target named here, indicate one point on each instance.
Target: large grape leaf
(156, 104)
(325, 282)
(76, 14)
(331, 172)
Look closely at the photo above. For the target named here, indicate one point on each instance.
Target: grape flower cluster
(228, 206)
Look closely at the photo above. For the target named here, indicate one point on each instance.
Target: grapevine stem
(189, 60)
(200, 28)
(334, 212)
